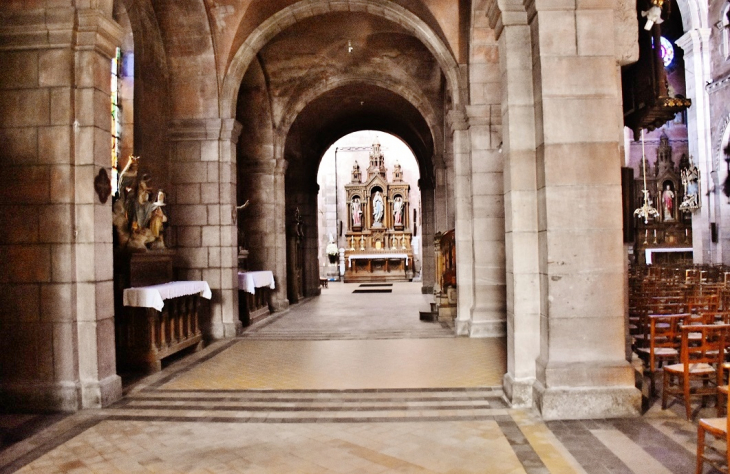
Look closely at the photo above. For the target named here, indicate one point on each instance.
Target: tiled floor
(342, 396)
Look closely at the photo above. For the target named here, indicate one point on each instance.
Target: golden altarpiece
(378, 237)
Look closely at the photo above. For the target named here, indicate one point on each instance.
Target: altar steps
(314, 406)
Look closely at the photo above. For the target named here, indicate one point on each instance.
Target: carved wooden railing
(254, 307)
(145, 336)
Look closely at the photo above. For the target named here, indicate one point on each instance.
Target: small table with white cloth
(159, 321)
(254, 295)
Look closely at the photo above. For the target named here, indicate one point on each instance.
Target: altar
(378, 237)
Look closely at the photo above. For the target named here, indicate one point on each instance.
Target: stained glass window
(116, 111)
(667, 51)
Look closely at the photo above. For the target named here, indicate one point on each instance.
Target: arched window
(116, 109)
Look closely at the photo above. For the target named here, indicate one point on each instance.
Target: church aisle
(339, 313)
(354, 404)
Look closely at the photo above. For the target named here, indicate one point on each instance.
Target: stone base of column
(279, 305)
(232, 329)
(461, 327)
(61, 396)
(102, 393)
(488, 328)
(427, 290)
(573, 403)
(518, 392)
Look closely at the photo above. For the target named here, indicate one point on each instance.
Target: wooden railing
(145, 336)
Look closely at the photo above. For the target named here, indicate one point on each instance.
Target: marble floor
(343, 383)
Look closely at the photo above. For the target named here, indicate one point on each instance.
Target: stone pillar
(581, 371)
(520, 202)
(56, 281)
(279, 299)
(427, 231)
(264, 222)
(204, 195)
(488, 316)
(464, 221)
(696, 46)
(442, 198)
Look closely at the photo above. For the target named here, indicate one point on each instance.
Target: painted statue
(356, 213)
(668, 203)
(139, 221)
(398, 211)
(377, 208)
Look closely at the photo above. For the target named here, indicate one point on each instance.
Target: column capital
(280, 166)
(691, 40)
(97, 31)
(505, 13)
(457, 119)
(204, 129)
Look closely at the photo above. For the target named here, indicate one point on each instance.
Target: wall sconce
(349, 47)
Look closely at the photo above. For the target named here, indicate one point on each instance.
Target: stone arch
(410, 94)
(694, 14)
(304, 9)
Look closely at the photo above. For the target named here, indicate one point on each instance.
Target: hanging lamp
(646, 210)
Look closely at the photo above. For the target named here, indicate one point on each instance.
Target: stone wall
(56, 308)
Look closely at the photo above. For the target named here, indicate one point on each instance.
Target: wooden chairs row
(718, 428)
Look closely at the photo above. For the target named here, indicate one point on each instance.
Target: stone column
(696, 46)
(279, 298)
(204, 189)
(57, 348)
(427, 231)
(488, 316)
(520, 203)
(442, 222)
(464, 221)
(264, 222)
(581, 371)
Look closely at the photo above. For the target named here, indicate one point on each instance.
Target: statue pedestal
(332, 273)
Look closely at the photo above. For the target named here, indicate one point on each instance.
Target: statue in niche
(356, 213)
(668, 203)
(377, 208)
(398, 211)
(139, 221)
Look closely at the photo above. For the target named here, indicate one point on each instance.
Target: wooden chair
(718, 428)
(664, 339)
(698, 374)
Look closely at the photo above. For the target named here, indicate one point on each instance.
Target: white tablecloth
(249, 281)
(154, 296)
(356, 256)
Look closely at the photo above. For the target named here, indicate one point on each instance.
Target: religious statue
(668, 203)
(377, 208)
(691, 184)
(139, 222)
(398, 211)
(356, 213)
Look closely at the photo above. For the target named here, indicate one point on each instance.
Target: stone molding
(457, 119)
(265, 166)
(99, 32)
(204, 129)
(502, 13)
(51, 28)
